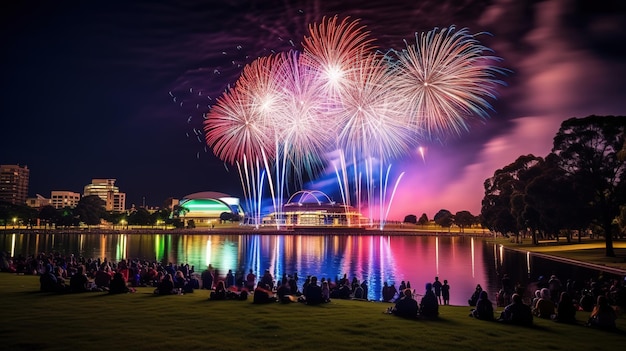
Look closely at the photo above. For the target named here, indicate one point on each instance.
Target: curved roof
(206, 195)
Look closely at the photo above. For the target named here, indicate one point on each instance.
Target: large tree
(502, 206)
(464, 219)
(90, 209)
(444, 218)
(588, 149)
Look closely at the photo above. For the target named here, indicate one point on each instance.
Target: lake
(462, 260)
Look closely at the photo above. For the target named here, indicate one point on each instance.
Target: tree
(464, 219)
(444, 218)
(501, 206)
(90, 209)
(423, 219)
(410, 219)
(140, 216)
(588, 149)
(48, 214)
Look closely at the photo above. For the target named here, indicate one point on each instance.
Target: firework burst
(444, 79)
(288, 110)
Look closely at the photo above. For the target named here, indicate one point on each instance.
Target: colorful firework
(288, 110)
(445, 78)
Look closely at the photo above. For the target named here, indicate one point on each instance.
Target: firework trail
(288, 110)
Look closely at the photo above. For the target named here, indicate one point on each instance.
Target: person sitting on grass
(429, 308)
(313, 292)
(262, 294)
(48, 281)
(166, 286)
(79, 281)
(220, 291)
(118, 284)
(602, 316)
(517, 312)
(474, 298)
(566, 310)
(484, 308)
(406, 306)
(544, 307)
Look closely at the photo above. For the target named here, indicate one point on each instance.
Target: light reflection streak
(528, 262)
(437, 255)
(207, 253)
(501, 254)
(103, 245)
(13, 245)
(473, 257)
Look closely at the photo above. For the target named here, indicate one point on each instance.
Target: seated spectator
(475, 295)
(325, 291)
(517, 312)
(48, 281)
(103, 277)
(166, 286)
(484, 308)
(566, 310)
(79, 281)
(544, 307)
(220, 291)
(313, 292)
(118, 284)
(406, 306)
(602, 316)
(262, 294)
(429, 308)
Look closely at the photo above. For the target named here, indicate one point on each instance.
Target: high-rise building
(14, 184)
(107, 191)
(62, 199)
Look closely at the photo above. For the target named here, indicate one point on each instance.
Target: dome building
(206, 208)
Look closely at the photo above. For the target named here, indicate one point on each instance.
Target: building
(61, 199)
(107, 191)
(205, 208)
(14, 184)
(314, 209)
(38, 201)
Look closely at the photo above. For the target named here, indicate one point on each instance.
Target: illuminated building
(207, 207)
(37, 202)
(14, 184)
(107, 191)
(62, 199)
(313, 208)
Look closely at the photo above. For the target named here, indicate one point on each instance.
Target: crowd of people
(551, 299)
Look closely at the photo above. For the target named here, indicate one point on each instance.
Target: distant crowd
(552, 299)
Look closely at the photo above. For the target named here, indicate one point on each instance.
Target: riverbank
(588, 252)
(235, 229)
(144, 321)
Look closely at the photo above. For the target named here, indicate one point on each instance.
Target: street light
(14, 220)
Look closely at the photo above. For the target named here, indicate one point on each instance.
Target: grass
(589, 250)
(143, 321)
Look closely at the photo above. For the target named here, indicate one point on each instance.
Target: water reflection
(463, 261)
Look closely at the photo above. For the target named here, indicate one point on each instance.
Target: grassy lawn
(143, 321)
(592, 251)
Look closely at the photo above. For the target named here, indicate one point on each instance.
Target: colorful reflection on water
(463, 261)
(377, 259)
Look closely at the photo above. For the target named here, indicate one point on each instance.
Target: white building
(107, 191)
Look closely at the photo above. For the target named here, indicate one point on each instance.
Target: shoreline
(253, 231)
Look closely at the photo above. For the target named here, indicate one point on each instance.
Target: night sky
(88, 87)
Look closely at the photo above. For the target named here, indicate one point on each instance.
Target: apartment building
(14, 184)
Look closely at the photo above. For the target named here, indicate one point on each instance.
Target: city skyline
(111, 90)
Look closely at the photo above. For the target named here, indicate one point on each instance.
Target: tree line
(578, 187)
